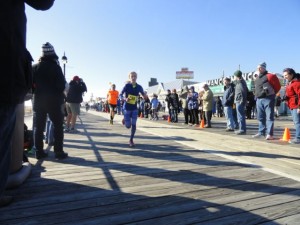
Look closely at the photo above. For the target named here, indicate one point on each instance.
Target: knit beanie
(263, 65)
(238, 73)
(48, 50)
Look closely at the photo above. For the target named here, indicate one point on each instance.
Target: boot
(40, 154)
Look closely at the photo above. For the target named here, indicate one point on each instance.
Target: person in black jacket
(15, 62)
(74, 97)
(227, 101)
(174, 106)
(48, 97)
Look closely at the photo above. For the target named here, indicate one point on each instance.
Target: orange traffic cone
(286, 135)
(169, 119)
(202, 124)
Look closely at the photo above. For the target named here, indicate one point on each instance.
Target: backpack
(274, 82)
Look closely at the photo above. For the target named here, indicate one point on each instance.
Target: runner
(112, 98)
(131, 91)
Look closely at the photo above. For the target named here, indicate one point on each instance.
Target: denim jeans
(229, 117)
(296, 120)
(174, 115)
(7, 125)
(241, 116)
(265, 115)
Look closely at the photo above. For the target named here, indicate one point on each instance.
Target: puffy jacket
(208, 99)
(48, 81)
(75, 92)
(228, 96)
(192, 100)
(241, 90)
(292, 94)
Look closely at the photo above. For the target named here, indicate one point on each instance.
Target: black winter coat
(49, 82)
(15, 60)
(75, 92)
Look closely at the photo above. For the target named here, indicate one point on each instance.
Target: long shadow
(48, 201)
(80, 204)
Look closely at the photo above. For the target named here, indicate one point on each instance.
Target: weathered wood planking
(158, 182)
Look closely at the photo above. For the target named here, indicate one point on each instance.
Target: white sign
(184, 74)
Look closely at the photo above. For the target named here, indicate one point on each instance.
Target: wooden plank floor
(160, 181)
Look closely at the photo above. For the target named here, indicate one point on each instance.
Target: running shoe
(131, 144)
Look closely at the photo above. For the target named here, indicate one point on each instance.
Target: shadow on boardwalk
(158, 182)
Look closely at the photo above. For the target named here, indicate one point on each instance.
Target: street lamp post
(64, 61)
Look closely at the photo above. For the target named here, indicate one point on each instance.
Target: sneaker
(123, 121)
(5, 200)
(229, 129)
(294, 141)
(61, 155)
(67, 130)
(258, 135)
(131, 144)
(269, 137)
(206, 126)
(111, 122)
(41, 154)
(239, 132)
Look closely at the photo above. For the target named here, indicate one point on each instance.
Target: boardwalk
(174, 175)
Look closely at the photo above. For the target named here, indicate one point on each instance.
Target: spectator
(227, 101)
(16, 79)
(266, 86)
(277, 104)
(186, 111)
(240, 100)
(154, 107)
(208, 100)
(74, 97)
(174, 106)
(168, 102)
(219, 107)
(292, 98)
(192, 101)
(48, 97)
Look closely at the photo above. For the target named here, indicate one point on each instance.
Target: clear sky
(106, 39)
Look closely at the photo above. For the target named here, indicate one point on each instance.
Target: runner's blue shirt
(132, 92)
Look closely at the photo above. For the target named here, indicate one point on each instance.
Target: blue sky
(106, 39)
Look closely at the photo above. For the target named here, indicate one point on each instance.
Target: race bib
(131, 99)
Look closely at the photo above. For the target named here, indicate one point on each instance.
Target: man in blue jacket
(15, 62)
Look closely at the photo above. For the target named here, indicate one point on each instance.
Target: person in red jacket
(16, 80)
(292, 98)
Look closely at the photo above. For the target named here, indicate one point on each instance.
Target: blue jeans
(7, 125)
(296, 120)
(229, 117)
(265, 115)
(241, 116)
